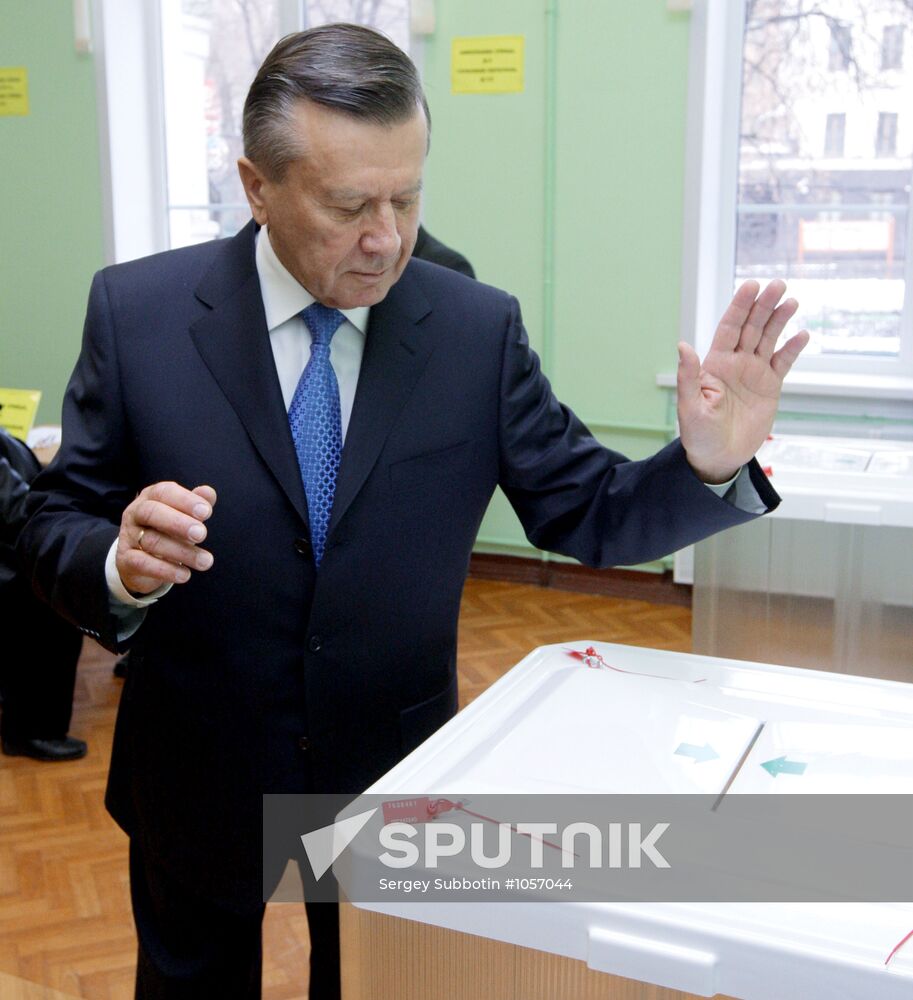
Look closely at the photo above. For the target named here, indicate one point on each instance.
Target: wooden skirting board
(635, 585)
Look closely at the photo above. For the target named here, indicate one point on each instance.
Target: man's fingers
(165, 548)
(774, 327)
(148, 514)
(142, 572)
(729, 331)
(688, 379)
(689, 369)
(197, 502)
(208, 494)
(173, 510)
(160, 533)
(759, 315)
(754, 321)
(783, 360)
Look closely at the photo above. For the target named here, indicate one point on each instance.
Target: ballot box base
(386, 957)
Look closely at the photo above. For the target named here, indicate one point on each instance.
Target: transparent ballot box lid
(586, 717)
(842, 480)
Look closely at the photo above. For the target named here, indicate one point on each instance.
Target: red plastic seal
(417, 810)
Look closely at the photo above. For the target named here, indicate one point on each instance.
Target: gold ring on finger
(139, 540)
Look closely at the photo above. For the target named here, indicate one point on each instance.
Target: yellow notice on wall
(17, 410)
(487, 64)
(14, 90)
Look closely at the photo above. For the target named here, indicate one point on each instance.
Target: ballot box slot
(738, 767)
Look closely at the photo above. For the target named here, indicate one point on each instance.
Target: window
(892, 47)
(839, 52)
(886, 137)
(835, 135)
(843, 258)
(211, 50)
(828, 213)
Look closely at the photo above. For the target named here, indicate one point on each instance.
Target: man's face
(343, 218)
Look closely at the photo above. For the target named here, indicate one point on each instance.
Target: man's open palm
(727, 405)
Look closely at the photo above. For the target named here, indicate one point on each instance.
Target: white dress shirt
(283, 300)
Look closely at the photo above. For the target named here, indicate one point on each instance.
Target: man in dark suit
(312, 642)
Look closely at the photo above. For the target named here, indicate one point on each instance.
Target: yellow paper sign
(14, 90)
(17, 410)
(489, 64)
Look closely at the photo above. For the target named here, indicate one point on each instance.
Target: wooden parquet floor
(65, 924)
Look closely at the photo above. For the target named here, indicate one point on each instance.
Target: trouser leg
(323, 928)
(190, 948)
(37, 686)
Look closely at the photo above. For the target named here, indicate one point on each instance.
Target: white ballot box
(588, 717)
(826, 580)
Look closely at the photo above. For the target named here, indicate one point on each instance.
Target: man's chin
(363, 293)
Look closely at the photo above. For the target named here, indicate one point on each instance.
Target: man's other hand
(727, 405)
(160, 534)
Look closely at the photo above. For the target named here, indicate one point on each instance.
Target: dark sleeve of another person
(18, 467)
(431, 249)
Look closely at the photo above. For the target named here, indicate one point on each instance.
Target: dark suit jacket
(261, 674)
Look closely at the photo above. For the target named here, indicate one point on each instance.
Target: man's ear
(253, 180)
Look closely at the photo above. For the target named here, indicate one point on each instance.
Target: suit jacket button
(315, 644)
(304, 743)
(303, 546)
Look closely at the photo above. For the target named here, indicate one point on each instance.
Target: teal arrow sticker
(781, 765)
(698, 754)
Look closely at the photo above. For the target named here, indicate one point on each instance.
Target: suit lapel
(396, 352)
(234, 343)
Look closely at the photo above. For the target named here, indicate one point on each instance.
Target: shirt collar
(283, 296)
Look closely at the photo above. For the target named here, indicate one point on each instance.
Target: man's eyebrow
(349, 194)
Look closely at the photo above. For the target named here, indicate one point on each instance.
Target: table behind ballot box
(588, 717)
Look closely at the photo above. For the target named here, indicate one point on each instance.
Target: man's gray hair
(345, 67)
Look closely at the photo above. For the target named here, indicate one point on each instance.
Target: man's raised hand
(727, 405)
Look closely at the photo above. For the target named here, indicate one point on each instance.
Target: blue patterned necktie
(314, 417)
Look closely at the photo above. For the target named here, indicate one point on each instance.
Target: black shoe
(65, 748)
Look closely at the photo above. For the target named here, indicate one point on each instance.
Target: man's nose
(382, 238)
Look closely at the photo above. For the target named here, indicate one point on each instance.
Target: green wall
(50, 201)
(614, 93)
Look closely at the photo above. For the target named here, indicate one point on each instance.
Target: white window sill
(880, 387)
